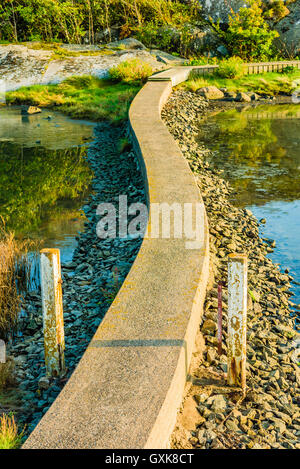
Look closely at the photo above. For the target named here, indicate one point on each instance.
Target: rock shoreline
(90, 281)
(213, 415)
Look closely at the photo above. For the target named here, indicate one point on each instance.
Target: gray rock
(243, 98)
(211, 92)
(289, 30)
(44, 382)
(217, 403)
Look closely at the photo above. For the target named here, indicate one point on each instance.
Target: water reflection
(44, 176)
(258, 149)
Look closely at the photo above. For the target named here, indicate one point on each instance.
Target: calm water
(44, 176)
(259, 151)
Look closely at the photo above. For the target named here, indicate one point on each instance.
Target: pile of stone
(213, 92)
(214, 415)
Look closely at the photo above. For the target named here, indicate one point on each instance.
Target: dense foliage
(71, 20)
(248, 34)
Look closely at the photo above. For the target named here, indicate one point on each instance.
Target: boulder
(190, 417)
(289, 30)
(44, 382)
(211, 92)
(30, 110)
(107, 35)
(220, 10)
(243, 98)
(129, 44)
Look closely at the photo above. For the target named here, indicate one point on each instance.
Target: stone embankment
(90, 281)
(212, 414)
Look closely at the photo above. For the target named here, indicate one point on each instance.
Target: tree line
(72, 20)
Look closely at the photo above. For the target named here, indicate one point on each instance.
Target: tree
(248, 34)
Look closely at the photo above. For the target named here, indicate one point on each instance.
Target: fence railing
(252, 68)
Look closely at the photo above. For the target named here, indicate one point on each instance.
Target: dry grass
(15, 274)
(9, 436)
(9, 296)
(7, 374)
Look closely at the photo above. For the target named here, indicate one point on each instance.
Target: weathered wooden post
(237, 320)
(53, 321)
(2, 351)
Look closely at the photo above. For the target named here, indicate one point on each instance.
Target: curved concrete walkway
(128, 386)
(126, 390)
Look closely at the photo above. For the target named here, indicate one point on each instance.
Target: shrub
(9, 436)
(231, 68)
(248, 35)
(130, 71)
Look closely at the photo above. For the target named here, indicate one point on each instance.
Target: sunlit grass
(267, 83)
(84, 97)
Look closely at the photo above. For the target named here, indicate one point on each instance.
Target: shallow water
(44, 176)
(259, 151)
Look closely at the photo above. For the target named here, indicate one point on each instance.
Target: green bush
(248, 35)
(130, 71)
(231, 68)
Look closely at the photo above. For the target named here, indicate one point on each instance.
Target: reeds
(9, 436)
(15, 279)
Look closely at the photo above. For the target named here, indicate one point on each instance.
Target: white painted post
(53, 321)
(2, 351)
(237, 320)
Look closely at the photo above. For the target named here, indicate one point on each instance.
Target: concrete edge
(160, 302)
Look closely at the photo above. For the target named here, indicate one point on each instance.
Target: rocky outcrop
(289, 30)
(218, 9)
(22, 66)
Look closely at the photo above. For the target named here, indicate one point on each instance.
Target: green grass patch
(84, 97)
(271, 84)
(131, 70)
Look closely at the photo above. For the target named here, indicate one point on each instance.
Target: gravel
(269, 415)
